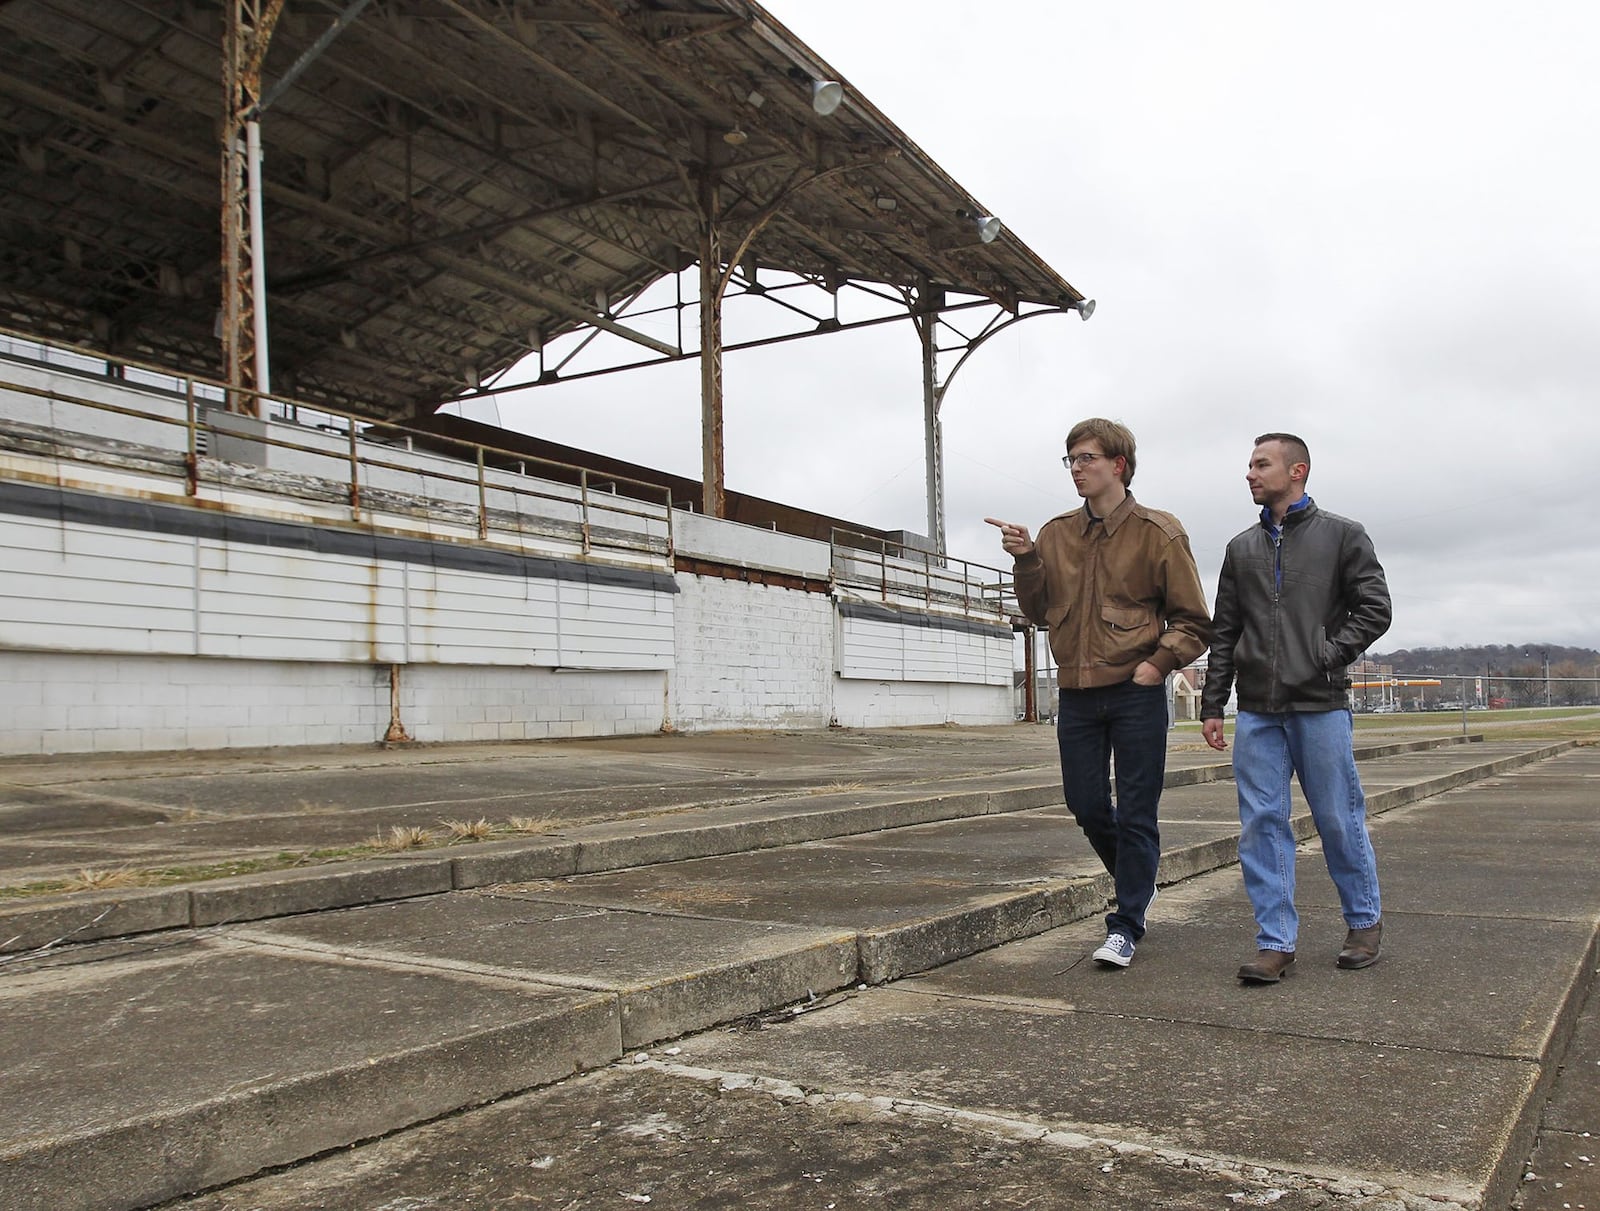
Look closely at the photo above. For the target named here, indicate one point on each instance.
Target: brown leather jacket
(1114, 592)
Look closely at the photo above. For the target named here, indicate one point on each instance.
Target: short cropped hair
(1116, 441)
(1293, 446)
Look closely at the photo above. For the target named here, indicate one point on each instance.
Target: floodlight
(989, 227)
(826, 96)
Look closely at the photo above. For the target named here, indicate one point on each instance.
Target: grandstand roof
(448, 184)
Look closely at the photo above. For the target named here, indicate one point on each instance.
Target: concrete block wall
(84, 702)
(440, 703)
(72, 702)
(914, 703)
(750, 655)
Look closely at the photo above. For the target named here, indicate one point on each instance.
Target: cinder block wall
(84, 702)
(750, 655)
(912, 703)
(446, 703)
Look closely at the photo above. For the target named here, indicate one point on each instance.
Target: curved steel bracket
(972, 345)
(933, 392)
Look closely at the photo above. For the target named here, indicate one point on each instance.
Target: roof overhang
(449, 185)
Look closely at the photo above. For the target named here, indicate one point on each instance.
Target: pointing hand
(1014, 538)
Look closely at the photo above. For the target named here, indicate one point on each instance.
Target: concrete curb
(685, 1004)
(1398, 796)
(284, 893)
(1507, 1175)
(92, 916)
(889, 954)
(158, 1157)
(613, 845)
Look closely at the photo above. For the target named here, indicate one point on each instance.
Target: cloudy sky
(1374, 225)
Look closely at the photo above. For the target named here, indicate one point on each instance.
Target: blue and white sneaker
(1116, 950)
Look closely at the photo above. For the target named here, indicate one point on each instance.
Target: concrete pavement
(149, 1064)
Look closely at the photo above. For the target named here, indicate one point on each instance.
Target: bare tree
(1525, 687)
(1569, 684)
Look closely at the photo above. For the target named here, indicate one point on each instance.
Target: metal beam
(309, 56)
(713, 500)
(246, 34)
(926, 317)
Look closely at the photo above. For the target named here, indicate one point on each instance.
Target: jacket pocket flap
(1126, 618)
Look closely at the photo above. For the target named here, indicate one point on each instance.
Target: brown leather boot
(1270, 967)
(1361, 947)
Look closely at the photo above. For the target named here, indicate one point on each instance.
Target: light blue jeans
(1316, 746)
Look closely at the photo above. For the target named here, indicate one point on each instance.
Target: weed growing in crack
(91, 878)
(528, 824)
(468, 830)
(401, 836)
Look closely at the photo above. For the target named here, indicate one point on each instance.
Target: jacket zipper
(1277, 609)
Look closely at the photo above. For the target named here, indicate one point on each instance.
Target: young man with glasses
(1117, 587)
(1301, 595)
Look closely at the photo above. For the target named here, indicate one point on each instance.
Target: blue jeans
(1316, 746)
(1131, 721)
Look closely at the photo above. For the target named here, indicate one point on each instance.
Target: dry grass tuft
(468, 830)
(837, 788)
(401, 836)
(528, 824)
(90, 878)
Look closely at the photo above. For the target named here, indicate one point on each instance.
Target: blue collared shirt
(1276, 532)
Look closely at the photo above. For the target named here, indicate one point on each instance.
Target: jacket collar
(1112, 521)
(1293, 516)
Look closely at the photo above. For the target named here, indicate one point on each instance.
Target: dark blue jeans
(1129, 721)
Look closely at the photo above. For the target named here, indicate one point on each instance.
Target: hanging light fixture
(989, 227)
(826, 96)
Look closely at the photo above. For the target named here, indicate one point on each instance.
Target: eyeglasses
(1070, 461)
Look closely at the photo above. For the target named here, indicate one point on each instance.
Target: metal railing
(899, 573)
(1417, 698)
(357, 446)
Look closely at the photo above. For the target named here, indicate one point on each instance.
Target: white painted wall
(70, 702)
(81, 702)
(76, 587)
(751, 656)
(450, 703)
(919, 646)
(117, 635)
(912, 704)
(745, 546)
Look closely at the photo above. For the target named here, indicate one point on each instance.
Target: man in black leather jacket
(1301, 595)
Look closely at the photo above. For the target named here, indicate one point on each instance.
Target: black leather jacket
(1288, 648)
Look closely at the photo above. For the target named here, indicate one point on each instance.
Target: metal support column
(1030, 670)
(247, 30)
(713, 501)
(926, 317)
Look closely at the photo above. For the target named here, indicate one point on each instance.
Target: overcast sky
(1374, 225)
